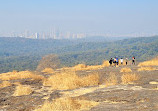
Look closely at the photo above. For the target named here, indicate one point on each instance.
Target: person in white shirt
(121, 60)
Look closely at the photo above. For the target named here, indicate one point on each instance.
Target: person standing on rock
(133, 60)
(114, 61)
(121, 60)
(117, 60)
(126, 61)
(111, 62)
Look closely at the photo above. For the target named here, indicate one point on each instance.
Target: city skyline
(55, 33)
(108, 17)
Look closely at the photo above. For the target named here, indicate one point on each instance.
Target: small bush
(153, 62)
(79, 67)
(67, 104)
(49, 61)
(91, 67)
(84, 67)
(106, 64)
(126, 70)
(90, 80)
(129, 78)
(48, 71)
(69, 80)
(20, 75)
(94, 67)
(111, 80)
(22, 90)
(146, 69)
(5, 84)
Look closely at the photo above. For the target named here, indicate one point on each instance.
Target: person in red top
(133, 60)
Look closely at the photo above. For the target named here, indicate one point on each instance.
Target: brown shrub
(90, 80)
(91, 67)
(48, 71)
(69, 80)
(19, 75)
(79, 67)
(95, 67)
(146, 69)
(49, 61)
(153, 62)
(126, 69)
(22, 90)
(129, 78)
(153, 82)
(17, 83)
(111, 80)
(5, 84)
(106, 64)
(67, 104)
(62, 81)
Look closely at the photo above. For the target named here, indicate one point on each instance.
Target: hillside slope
(22, 53)
(81, 88)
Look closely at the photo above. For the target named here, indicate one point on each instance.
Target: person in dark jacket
(110, 61)
(126, 61)
(117, 61)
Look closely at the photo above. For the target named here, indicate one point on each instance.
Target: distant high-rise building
(74, 36)
(36, 35)
(26, 34)
(68, 35)
(54, 34)
(57, 33)
(43, 36)
(81, 35)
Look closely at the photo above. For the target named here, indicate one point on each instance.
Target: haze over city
(79, 18)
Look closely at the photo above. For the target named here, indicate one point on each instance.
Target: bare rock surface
(142, 95)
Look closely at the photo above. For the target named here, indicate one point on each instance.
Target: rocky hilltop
(95, 88)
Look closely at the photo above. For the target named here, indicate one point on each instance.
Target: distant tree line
(22, 54)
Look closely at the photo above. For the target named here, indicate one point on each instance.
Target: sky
(100, 16)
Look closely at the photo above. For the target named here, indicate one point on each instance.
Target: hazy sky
(117, 16)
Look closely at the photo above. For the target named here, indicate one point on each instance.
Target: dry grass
(126, 69)
(5, 84)
(95, 67)
(67, 104)
(22, 90)
(129, 78)
(111, 80)
(106, 64)
(62, 81)
(80, 91)
(48, 71)
(153, 82)
(90, 80)
(84, 67)
(17, 83)
(69, 80)
(153, 62)
(92, 67)
(146, 69)
(79, 67)
(19, 75)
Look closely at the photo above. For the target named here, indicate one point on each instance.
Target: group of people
(115, 61)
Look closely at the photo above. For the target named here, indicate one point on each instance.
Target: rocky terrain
(140, 94)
